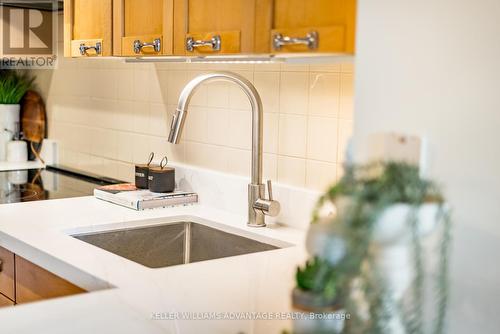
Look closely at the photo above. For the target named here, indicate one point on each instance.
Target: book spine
(109, 197)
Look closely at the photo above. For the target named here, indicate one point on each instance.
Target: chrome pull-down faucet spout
(258, 205)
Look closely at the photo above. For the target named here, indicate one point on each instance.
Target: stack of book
(129, 196)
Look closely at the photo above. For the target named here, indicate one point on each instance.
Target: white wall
(432, 68)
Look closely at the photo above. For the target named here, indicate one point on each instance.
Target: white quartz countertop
(128, 296)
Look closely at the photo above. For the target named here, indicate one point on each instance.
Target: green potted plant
(383, 213)
(316, 295)
(13, 86)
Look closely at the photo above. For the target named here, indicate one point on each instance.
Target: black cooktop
(49, 183)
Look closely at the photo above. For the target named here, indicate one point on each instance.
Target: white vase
(393, 252)
(9, 118)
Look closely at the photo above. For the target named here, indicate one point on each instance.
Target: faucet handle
(269, 207)
(270, 189)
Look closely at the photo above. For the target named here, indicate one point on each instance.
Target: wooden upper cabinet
(313, 26)
(207, 27)
(88, 28)
(218, 27)
(143, 27)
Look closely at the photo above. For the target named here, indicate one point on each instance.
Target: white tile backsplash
(108, 114)
(293, 135)
(322, 138)
(293, 92)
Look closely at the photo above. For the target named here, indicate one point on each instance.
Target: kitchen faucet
(258, 205)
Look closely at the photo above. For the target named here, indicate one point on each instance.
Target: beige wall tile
(103, 143)
(141, 83)
(207, 156)
(196, 124)
(155, 89)
(125, 84)
(240, 129)
(217, 123)
(322, 138)
(239, 161)
(175, 82)
(268, 86)
(271, 132)
(346, 96)
(293, 92)
(347, 67)
(141, 117)
(103, 84)
(141, 148)
(126, 111)
(292, 171)
(125, 142)
(333, 68)
(324, 99)
(319, 174)
(217, 94)
(292, 131)
(125, 172)
(270, 167)
(294, 67)
(99, 112)
(159, 118)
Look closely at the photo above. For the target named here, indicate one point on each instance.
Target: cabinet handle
(97, 47)
(138, 45)
(311, 40)
(214, 43)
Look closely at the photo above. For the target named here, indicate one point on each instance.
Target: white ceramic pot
(9, 117)
(314, 315)
(392, 248)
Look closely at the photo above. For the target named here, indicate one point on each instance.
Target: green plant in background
(360, 197)
(318, 276)
(379, 185)
(13, 85)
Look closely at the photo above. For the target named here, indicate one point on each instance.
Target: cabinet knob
(138, 45)
(311, 40)
(214, 43)
(97, 47)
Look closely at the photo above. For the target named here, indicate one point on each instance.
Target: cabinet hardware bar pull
(97, 47)
(138, 45)
(311, 40)
(214, 43)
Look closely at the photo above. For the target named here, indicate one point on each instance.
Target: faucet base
(256, 217)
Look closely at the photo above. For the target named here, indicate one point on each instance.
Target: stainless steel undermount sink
(173, 244)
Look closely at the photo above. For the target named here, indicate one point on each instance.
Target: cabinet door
(215, 27)
(142, 27)
(313, 26)
(35, 283)
(4, 301)
(88, 28)
(7, 273)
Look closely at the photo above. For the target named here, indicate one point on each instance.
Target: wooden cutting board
(33, 117)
